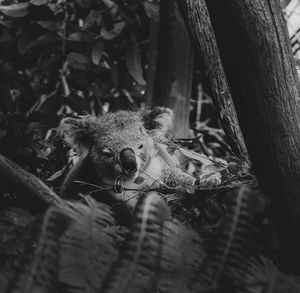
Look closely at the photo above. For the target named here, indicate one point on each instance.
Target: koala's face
(120, 144)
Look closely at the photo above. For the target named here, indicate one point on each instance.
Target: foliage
(81, 248)
(64, 57)
(67, 57)
(75, 57)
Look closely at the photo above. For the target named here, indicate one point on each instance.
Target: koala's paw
(209, 181)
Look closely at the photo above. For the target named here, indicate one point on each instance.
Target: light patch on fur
(151, 174)
(166, 121)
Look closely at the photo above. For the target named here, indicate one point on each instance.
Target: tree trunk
(258, 62)
(197, 19)
(152, 55)
(173, 81)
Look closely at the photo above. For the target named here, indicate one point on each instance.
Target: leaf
(46, 104)
(55, 7)
(171, 150)
(38, 263)
(51, 25)
(108, 3)
(233, 168)
(39, 153)
(44, 40)
(182, 254)
(133, 62)
(212, 168)
(48, 65)
(84, 3)
(233, 241)
(95, 17)
(111, 34)
(56, 175)
(8, 23)
(151, 9)
(15, 10)
(78, 61)
(27, 33)
(137, 267)
(80, 37)
(88, 248)
(97, 51)
(38, 2)
(189, 189)
(195, 156)
(139, 180)
(233, 159)
(169, 159)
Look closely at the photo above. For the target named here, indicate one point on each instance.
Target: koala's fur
(99, 141)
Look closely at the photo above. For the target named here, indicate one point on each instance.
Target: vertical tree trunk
(152, 55)
(258, 62)
(173, 80)
(197, 19)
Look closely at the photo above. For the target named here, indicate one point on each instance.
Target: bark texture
(152, 56)
(15, 174)
(258, 62)
(173, 80)
(198, 23)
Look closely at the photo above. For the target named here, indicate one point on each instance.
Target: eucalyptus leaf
(15, 10)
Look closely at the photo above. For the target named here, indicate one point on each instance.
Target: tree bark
(152, 56)
(198, 23)
(173, 80)
(13, 173)
(258, 62)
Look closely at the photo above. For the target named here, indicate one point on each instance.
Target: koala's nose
(128, 161)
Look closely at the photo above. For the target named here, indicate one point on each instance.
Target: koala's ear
(77, 132)
(159, 120)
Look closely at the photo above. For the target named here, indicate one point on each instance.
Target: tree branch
(13, 173)
(198, 23)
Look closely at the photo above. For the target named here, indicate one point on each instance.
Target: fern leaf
(137, 268)
(70, 251)
(17, 230)
(263, 276)
(37, 272)
(227, 256)
(88, 248)
(181, 258)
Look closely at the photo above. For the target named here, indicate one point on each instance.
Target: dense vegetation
(63, 58)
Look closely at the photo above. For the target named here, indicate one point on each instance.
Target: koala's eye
(107, 153)
(141, 146)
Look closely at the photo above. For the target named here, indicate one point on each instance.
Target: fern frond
(12, 221)
(38, 270)
(181, 258)
(138, 266)
(18, 232)
(227, 256)
(88, 248)
(263, 276)
(70, 251)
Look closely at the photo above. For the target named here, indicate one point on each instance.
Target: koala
(122, 150)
